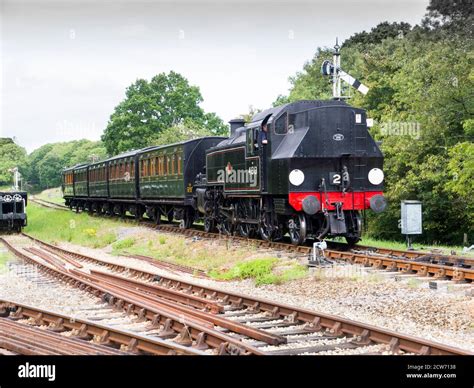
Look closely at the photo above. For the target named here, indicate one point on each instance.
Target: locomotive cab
(334, 168)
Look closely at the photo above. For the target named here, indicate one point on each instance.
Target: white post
(336, 81)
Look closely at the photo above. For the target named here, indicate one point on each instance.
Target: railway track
(218, 321)
(437, 266)
(48, 204)
(45, 332)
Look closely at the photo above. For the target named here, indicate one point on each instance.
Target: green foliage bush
(124, 243)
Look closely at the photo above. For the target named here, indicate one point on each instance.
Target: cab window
(251, 140)
(281, 124)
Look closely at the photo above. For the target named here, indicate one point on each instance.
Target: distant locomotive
(13, 210)
(306, 168)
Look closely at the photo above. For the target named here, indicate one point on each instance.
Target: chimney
(234, 124)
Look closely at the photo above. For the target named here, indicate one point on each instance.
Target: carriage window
(180, 171)
(172, 164)
(281, 127)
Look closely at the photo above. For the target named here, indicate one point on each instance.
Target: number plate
(335, 178)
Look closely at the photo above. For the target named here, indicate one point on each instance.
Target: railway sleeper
(313, 349)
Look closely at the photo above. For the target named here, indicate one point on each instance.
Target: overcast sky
(65, 65)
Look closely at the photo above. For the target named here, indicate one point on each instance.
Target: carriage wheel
(187, 221)
(157, 217)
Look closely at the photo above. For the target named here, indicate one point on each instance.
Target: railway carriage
(166, 178)
(68, 184)
(158, 181)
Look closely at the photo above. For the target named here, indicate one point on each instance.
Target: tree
(379, 33)
(252, 112)
(47, 162)
(150, 107)
(186, 131)
(454, 10)
(11, 155)
(448, 17)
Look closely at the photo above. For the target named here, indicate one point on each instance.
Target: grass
(123, 244)
(200, 254)
(52, 195)
(56, 225)
(263, 271)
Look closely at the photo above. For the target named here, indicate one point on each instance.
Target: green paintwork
(234, 169)
(123, 186)
(80, 182)
(167, 185)
(98, 189)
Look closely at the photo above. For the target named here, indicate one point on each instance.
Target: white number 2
(336, 179)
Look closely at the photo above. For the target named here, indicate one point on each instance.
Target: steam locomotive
(305, 169)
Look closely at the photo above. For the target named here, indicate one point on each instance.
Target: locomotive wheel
(226, 227)
(297, 229)
(245, 230)
(278, 234)
(266, 230)
(351, 241)
(209, 225)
